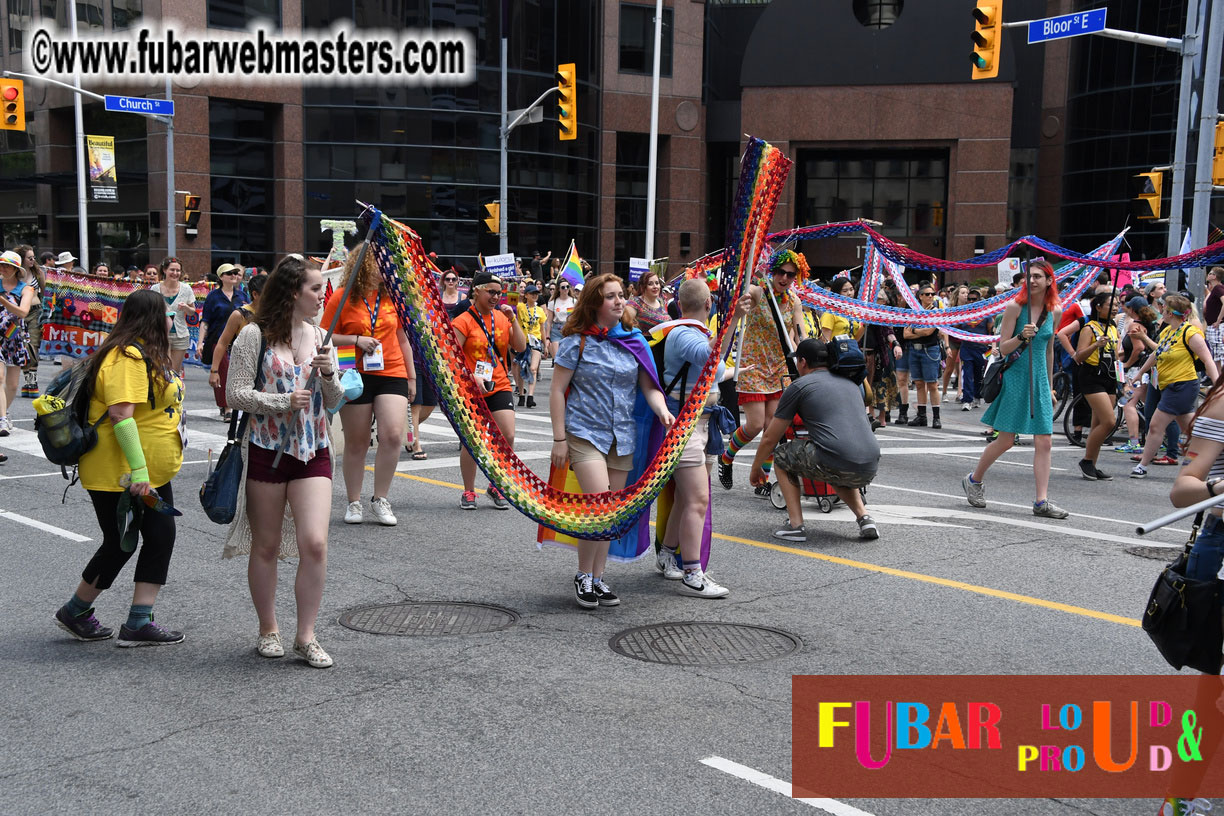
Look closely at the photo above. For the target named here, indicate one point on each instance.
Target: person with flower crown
(777, 312)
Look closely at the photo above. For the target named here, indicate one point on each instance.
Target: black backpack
(846, 358)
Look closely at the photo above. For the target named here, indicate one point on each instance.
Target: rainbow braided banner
(418, 302)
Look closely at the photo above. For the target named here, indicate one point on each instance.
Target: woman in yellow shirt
(1095, 355)
(534, 319)
(1175, 388)
(137, 403)
(834, 325)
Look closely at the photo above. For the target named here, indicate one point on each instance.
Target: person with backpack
(289, 414)
(16, 301)
(1174, 390)
(1025, 404)
(686, 349)
(1094, 356)
(130, 394)
(839, 449)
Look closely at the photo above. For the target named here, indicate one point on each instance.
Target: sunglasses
(926, 294)
(450, 280)
(784, 273)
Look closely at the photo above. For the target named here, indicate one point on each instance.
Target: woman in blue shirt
(596, 378)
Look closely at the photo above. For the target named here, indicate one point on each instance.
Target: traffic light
(191, 214)
(567, 103)
(1146, 203)
(987, 19)
(1217, 159)
(492, 220)
(12, 99)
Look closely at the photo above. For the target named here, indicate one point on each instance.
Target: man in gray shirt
(839, 448)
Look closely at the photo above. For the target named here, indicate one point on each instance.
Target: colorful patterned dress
(14, 340)
(762, 348)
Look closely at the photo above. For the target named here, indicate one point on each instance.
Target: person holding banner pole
(16, 300)
(35, 277)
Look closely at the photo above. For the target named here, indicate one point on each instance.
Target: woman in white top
(180, 302)
(559, 309)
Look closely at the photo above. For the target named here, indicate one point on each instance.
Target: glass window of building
(126, 13)
(240, 201)
(637, 29)
(20, 20)
(241, 13)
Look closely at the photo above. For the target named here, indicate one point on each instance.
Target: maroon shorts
(259, 466)
(743, 398)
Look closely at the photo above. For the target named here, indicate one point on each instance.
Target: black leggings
(156, 547)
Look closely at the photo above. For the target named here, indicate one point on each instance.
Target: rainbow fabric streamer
(404, 264)
(572, 271)
(347, 357)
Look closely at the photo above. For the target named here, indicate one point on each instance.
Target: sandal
(420, 455)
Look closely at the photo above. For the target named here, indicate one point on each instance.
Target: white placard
(637, 268)
(1008, 267)
(501, 265)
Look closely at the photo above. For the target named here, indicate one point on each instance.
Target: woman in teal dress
(1024, 405)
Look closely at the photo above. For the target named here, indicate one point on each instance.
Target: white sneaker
(382, 512)
(665, 562)
(5, 426)
(699, 585)
(353, 514)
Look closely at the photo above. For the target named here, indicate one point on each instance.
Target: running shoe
(762, 491)
(584, 591)
(967, 406)
(270, 645)
(696, 584)
(604, 593)
(1139, 472)
(151, 634)
(1129, 447)
(789, 533)
(5, 426)
(724, 475)
(665, 562)
(1102, 476)
(468, 500)
(1047, 509)
(382, 511)
(314, 655)
(867, 529)
(84, 627)
(1088, 470)
(1164, 460)
(353, 514)
(499, 501)
(975, 492)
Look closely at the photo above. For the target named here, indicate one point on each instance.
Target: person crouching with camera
(839, 449)
(486, 331)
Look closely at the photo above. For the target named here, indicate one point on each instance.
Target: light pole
(652, 171)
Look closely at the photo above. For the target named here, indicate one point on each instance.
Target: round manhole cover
(704, 643)
(429, 618)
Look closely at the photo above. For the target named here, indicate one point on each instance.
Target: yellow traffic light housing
(567, 102)
(12, 104)
(191, 214)
(1217, 158)
(492, 221)
(1147, 199)
(987, 38)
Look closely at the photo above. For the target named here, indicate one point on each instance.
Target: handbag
(1183, 615)
(351, 382)
(219, 493)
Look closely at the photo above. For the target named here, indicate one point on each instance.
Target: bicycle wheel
(1069, 425)
(1062, 388)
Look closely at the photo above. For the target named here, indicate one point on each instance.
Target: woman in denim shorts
(924, 363)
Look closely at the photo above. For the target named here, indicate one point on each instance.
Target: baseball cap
(531, 289)
(1136, 303)
(484, 279)
(811, 351)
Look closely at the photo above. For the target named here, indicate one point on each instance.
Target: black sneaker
(151, 634)
(531, 403)
(584, 592)
(724, 475)
(1102, 476)
(604, 593)
(1077, 437)
(83, 627)
(762, 491)
(1088, 470)
(918, 421)
(521, 400)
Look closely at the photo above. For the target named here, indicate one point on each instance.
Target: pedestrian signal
(987, 31)
(1217, 159)
(567, 102)
(492, 220)
(12, 104)
(191, 214)
(1146, 202)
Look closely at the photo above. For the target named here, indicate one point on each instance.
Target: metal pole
(82, 168)
(171, 226)
(1208, 107)
(1177, 203)
(652, 173)
(1178, 515)
(503, 237)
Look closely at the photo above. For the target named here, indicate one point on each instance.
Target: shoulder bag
(219, 493)
(1183, 615)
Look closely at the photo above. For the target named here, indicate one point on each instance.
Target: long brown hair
(275, 314)
(142, 319)
(1051, 295)
(639, 288)
(369, 279)
(590, 298)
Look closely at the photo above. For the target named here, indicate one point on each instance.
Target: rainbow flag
(347, 357)
(572, 271)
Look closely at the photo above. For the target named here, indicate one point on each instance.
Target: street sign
(137, 104)
(1067, 25)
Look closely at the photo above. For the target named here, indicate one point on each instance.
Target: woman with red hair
(1025, 404)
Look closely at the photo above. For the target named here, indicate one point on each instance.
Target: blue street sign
(1068, 25)
(136, 104)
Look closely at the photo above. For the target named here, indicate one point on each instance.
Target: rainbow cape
(572, 271)
(636, 541)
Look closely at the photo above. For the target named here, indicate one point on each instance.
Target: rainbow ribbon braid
(405, 266)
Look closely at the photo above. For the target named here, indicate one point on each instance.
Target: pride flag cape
(572, 271)
(636, 541)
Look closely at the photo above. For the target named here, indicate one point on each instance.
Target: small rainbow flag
(572, 271)
(347, 357)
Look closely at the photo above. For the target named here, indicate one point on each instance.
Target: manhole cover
(704, 643)
(429, 618)
(1157, 552)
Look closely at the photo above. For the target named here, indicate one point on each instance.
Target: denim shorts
(1208, 553)
(924, 363)
(1178, 398)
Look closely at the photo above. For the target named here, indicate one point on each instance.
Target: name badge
(484, 370)
(373, 359)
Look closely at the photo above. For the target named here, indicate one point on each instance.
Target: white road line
(781, 786)
(20, 440)
(1028, 465)
(47, 528)
(29, 476)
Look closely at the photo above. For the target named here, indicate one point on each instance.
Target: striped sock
(738, 440)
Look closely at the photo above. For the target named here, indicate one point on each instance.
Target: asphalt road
(543, 715)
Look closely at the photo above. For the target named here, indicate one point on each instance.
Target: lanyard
(373, 313)
(490, 336)
(1173, 337)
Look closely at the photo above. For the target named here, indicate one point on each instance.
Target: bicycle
(1061, 385)
(1119, 424)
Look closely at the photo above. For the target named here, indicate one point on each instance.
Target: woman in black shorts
(1098, 380)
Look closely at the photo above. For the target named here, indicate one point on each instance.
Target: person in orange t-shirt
(486, 334)
(384, 358)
